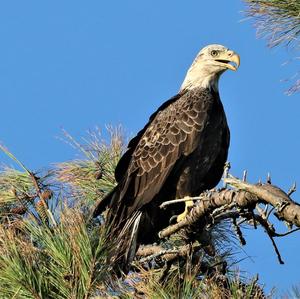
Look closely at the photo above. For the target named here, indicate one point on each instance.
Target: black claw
(173, 219)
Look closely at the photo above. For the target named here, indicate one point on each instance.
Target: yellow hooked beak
(229, 59)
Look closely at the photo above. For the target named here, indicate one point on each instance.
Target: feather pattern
(180, 152)
(170, 157)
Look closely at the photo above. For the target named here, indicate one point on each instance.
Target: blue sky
(76, 64)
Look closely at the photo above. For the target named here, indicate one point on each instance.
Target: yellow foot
(188, 205)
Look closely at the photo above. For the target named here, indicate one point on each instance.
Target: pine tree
(278, 21)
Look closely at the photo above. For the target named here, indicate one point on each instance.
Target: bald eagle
(180, 152)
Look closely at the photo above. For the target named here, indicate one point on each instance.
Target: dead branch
(165, 258)
(286, 208)
(238, 232)
(245, 196)
(150, 252)
(211, 200)
(185, 199)
(147, 250)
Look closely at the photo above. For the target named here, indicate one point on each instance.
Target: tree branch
(246, 196)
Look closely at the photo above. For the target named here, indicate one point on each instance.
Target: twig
(185, 199)
(245, 176)
(261, 211)
(158, 254)
(276, 250)
(287, 233)
(269, 181)
(238, 232)
(222, 209)
(227, 215)
(265, 212)
(147, 250)
(292, 189)
(226, 172)
(271, 234)
(150, 252)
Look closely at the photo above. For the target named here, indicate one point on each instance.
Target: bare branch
(185, 199)
(245, 197)
(286, 208)
(238, 232)
(292, 189)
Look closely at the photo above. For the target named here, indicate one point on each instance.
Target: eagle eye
(214, 53)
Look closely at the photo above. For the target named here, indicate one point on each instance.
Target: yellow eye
(214, 53)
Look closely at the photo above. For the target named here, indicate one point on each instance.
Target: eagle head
(209, 64)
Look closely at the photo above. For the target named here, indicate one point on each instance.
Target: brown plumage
(180, 152)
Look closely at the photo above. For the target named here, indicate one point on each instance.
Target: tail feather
(122, 229)
(133, 245)
(125, 243)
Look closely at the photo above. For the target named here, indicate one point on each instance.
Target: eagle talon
(188, 205)
(173, 219)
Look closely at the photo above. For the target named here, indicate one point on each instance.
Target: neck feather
(201, 76)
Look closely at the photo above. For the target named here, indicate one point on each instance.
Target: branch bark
(244, 196)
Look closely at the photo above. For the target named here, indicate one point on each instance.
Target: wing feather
(125, 160)
(173, 131)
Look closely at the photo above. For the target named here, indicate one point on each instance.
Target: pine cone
(47, 194)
